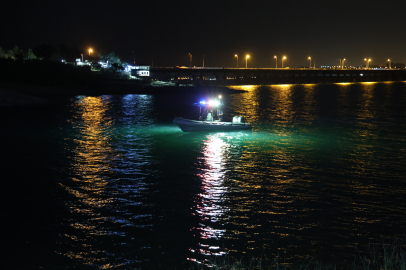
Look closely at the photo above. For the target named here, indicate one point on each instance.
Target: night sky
(167, 31)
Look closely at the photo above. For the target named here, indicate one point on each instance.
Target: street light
(276, 61)
(190, 59)
(237, 59)
(367, 62)
(90, 50)
(343, 63)
(310, 62)
(246, 61)
(389, 63)
(283, 58)
(134, 57)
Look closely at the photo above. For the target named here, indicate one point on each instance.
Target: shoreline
(29, 95)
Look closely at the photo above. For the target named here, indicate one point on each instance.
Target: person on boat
(220, 115)
(204, 114)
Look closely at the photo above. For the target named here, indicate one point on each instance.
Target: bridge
(262, 76)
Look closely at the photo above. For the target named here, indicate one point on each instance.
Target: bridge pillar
(237, 78)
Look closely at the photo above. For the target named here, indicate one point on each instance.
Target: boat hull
(187, 125)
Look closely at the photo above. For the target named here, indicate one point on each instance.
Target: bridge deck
(234, 76)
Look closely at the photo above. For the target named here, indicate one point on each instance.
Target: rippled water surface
(109, 182)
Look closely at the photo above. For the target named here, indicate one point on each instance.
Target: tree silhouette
(69, 53)
(45, 51)
(18, 53)
(31, 55)
(112, 58)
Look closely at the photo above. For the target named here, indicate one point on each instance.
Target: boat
(211, 119)
(187, 125)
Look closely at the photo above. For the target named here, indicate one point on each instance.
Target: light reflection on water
(218, 151)
(88, 170)
(321, 171)
(103, 191)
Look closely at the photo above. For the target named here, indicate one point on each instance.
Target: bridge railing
(232, 68)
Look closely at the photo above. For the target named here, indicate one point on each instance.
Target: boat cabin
(211, 110)
(211, 119)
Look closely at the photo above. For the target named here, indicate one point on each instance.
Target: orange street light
(283, 58)
(276, 61)
(90, 50)
(367, 62)
(310, 62)
(389, 63)
(246, 61)
(237, 59)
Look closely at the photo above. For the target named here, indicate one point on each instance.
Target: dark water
(109, 182)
